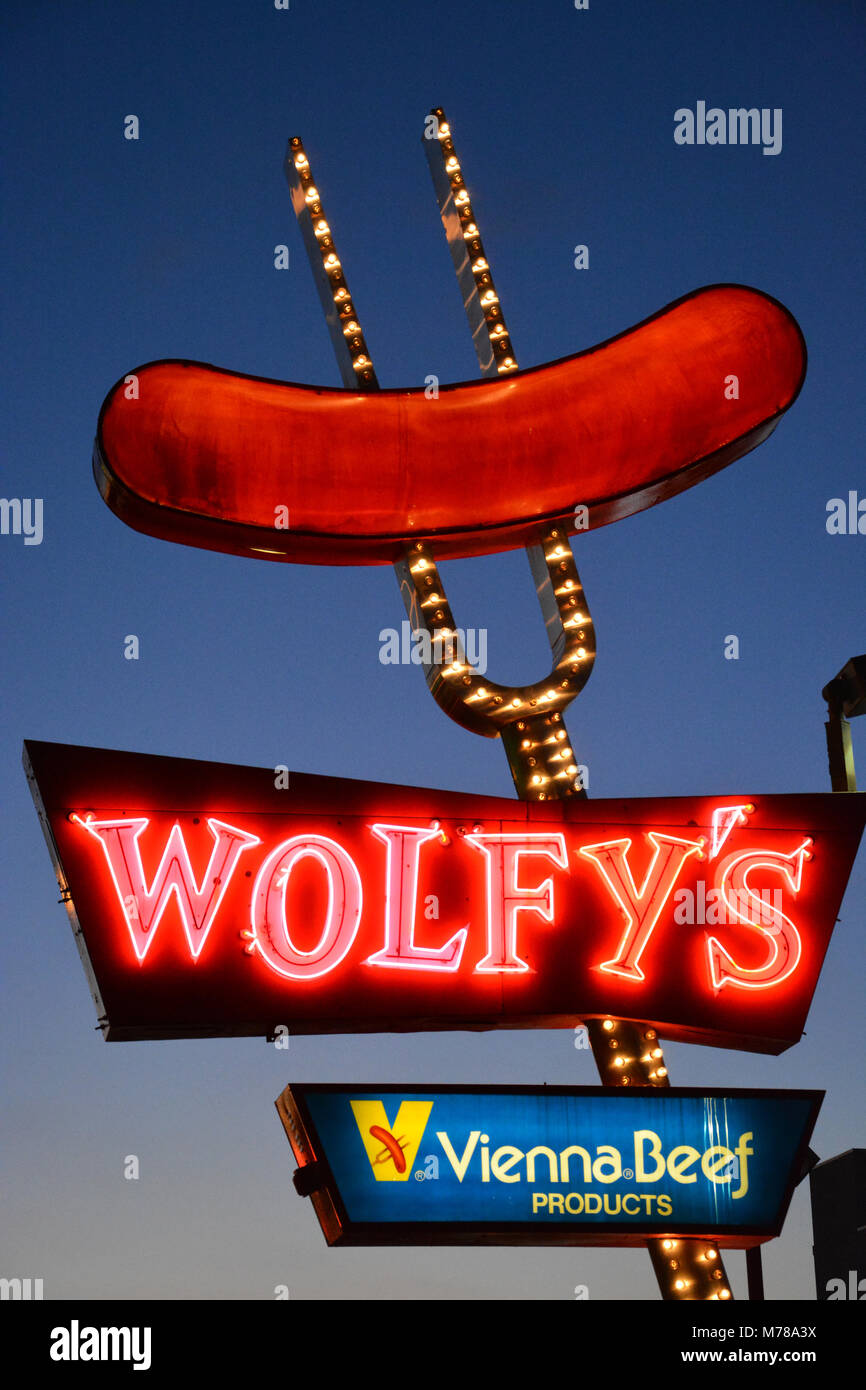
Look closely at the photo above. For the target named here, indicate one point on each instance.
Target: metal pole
(755, 1274)
(626, 1053)
(840, 753)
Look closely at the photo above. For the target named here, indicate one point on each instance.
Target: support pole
(626, 1053)
(755, 1274)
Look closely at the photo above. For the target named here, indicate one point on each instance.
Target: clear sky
(118, 252)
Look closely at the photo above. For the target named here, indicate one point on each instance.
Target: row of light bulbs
(497, 333)
(355, 342)
(679, 1267)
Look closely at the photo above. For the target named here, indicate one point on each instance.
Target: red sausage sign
(581, 442)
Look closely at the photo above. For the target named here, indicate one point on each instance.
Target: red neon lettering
(270, 934)
(643, 908)
(724, 820)
(783, 940)
(142, 906)
(401, 898)
(506, 897)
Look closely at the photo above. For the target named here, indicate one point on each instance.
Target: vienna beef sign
(550, 1165)
(211, 900)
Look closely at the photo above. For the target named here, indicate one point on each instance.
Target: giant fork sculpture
(528, 718)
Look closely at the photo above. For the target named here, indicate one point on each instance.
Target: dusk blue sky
(118, 252)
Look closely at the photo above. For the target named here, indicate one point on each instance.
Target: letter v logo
(142, 906)
(391, 1148)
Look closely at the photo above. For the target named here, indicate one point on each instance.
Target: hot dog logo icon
(391, 1147)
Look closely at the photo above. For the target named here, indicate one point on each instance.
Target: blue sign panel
(571, 1165)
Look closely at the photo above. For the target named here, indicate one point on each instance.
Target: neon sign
(552, 1165)
(341, 905)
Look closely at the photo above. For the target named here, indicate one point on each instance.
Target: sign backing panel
(207, 901)
(547, 1165)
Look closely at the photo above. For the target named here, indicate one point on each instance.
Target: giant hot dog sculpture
(207, 457)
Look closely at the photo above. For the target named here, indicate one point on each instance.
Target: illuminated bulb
(469, 231)
(656, 1052)
(481, 264)
(581, 651)
(526, 743)
(490, 297)
(301, 161)
(572, 767)
(312, 194)
(619, 1061)
(340, 295)
(322, 227)
(332, 262)
(452, 163)
(561, 734)
(662, 1071)
(462, 198)
(537, 778)
(669, 1245)
(679, 1283)
(444, 131)
(499, 331)
(361, 362)
(724, 1293)
(711, 1254)
(516, 700)
(351, 327)
(507, 363)
(481, 690)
